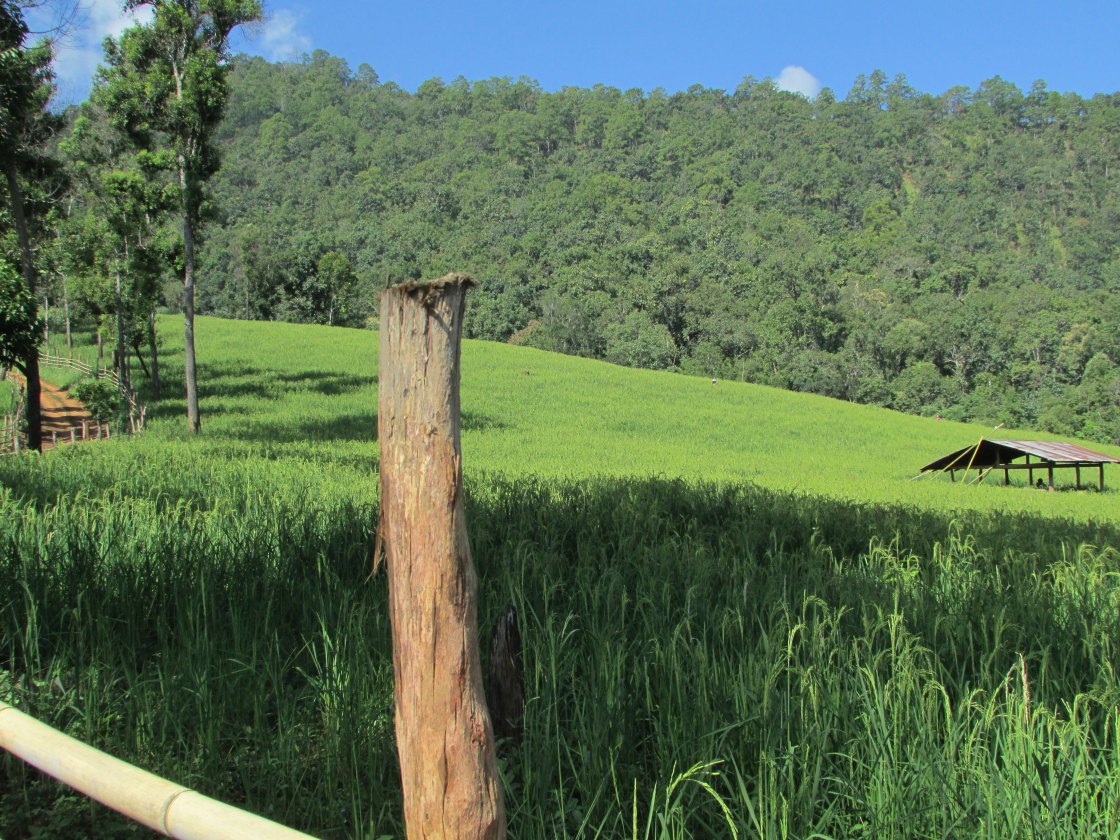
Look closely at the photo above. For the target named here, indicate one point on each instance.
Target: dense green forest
(956, 254)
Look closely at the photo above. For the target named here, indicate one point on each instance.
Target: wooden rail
(51, 360)
(163, 806)
(13, 440)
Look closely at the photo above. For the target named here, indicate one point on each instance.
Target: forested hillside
(955, 254)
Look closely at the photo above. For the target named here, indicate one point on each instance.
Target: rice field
(741, 616)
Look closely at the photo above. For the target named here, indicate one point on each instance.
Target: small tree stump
(507, 692)
(444, 736)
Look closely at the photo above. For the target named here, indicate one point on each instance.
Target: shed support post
(953, 474)
(1006, 476)
(1077, 472)
(1050, 475)
(445, 740)
(1030, 472)
(1101, 467)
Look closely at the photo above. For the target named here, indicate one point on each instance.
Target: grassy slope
(308, 392)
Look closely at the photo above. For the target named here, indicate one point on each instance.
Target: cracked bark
(444, 736)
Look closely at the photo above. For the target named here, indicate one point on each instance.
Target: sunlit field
(7, 396)
(741, 612)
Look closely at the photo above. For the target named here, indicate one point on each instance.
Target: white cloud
(78, 45)
(797, 79)
(280, 37)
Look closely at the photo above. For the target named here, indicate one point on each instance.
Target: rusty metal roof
(1059, 451)
(988, 453)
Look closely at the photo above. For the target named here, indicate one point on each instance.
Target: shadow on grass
(220, 383)
(324, 382)
(348, 426)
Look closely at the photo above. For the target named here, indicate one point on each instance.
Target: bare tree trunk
(194, 421)
(66, 310)
(65, 290)
(121, 354)
(153, 352)
(444, 736)
(27, 266)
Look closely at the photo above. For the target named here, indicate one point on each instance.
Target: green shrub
(101, 398)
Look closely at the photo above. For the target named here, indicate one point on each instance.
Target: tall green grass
(7, 397)
(234, 642)
(827, 649)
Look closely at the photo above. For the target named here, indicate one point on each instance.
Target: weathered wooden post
(444, 736)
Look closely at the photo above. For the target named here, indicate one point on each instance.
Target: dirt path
(61, 412)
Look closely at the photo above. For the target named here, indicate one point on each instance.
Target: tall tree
(126, 195)
(165, 81)
(20, 326)
(26, 84)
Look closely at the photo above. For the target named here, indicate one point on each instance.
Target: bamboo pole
(163, 806)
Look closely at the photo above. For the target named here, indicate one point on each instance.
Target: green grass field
(7, 397)
(741, 614)
(310, 391)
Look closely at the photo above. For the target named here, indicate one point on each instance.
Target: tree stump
(444, 736)
(507, 692)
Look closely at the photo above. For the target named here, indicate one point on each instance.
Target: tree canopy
(953, 254)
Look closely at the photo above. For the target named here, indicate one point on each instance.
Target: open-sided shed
(1048, 455)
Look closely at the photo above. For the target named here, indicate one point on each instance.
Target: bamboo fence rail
(163, 806)
(51, 360)
(11, 438)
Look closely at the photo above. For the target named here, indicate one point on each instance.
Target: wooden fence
(135, 409)
(163, 806)
(13, 440)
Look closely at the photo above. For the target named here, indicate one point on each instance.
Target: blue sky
(715, 43)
